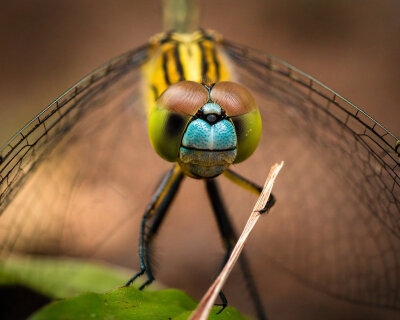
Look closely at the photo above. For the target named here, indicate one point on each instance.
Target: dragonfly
(75, 178)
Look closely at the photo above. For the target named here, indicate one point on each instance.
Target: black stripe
(208, 150)
(155, 91)
(206, 36)
(167, 37)
(165, 68)
(204, 63)
(178, 63)
(216, 63)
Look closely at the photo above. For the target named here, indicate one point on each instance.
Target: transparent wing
(336, 224)
(64, 177)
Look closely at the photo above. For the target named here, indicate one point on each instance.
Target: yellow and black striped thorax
(176, 57)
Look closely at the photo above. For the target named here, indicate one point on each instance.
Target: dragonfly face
(205, 128)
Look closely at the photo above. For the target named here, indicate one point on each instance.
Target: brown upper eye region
(233, 98)
(184, 97)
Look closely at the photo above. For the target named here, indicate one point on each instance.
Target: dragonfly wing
(336, 224)
(78, 171)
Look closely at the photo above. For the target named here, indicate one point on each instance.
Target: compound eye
(233, 98)
(170, 115)
(185, 97)
(241, 108)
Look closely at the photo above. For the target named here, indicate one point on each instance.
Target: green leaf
(129, 303)
(61, 278)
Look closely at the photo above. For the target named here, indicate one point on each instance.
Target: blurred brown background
(352, 46)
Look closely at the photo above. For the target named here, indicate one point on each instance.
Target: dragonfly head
(205, 128)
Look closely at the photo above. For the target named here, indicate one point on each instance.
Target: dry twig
(203, 309)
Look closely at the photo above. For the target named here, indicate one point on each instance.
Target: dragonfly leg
(224, 302)
(156, 210)
(156, 223)
(229, 238)
(250, 186)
